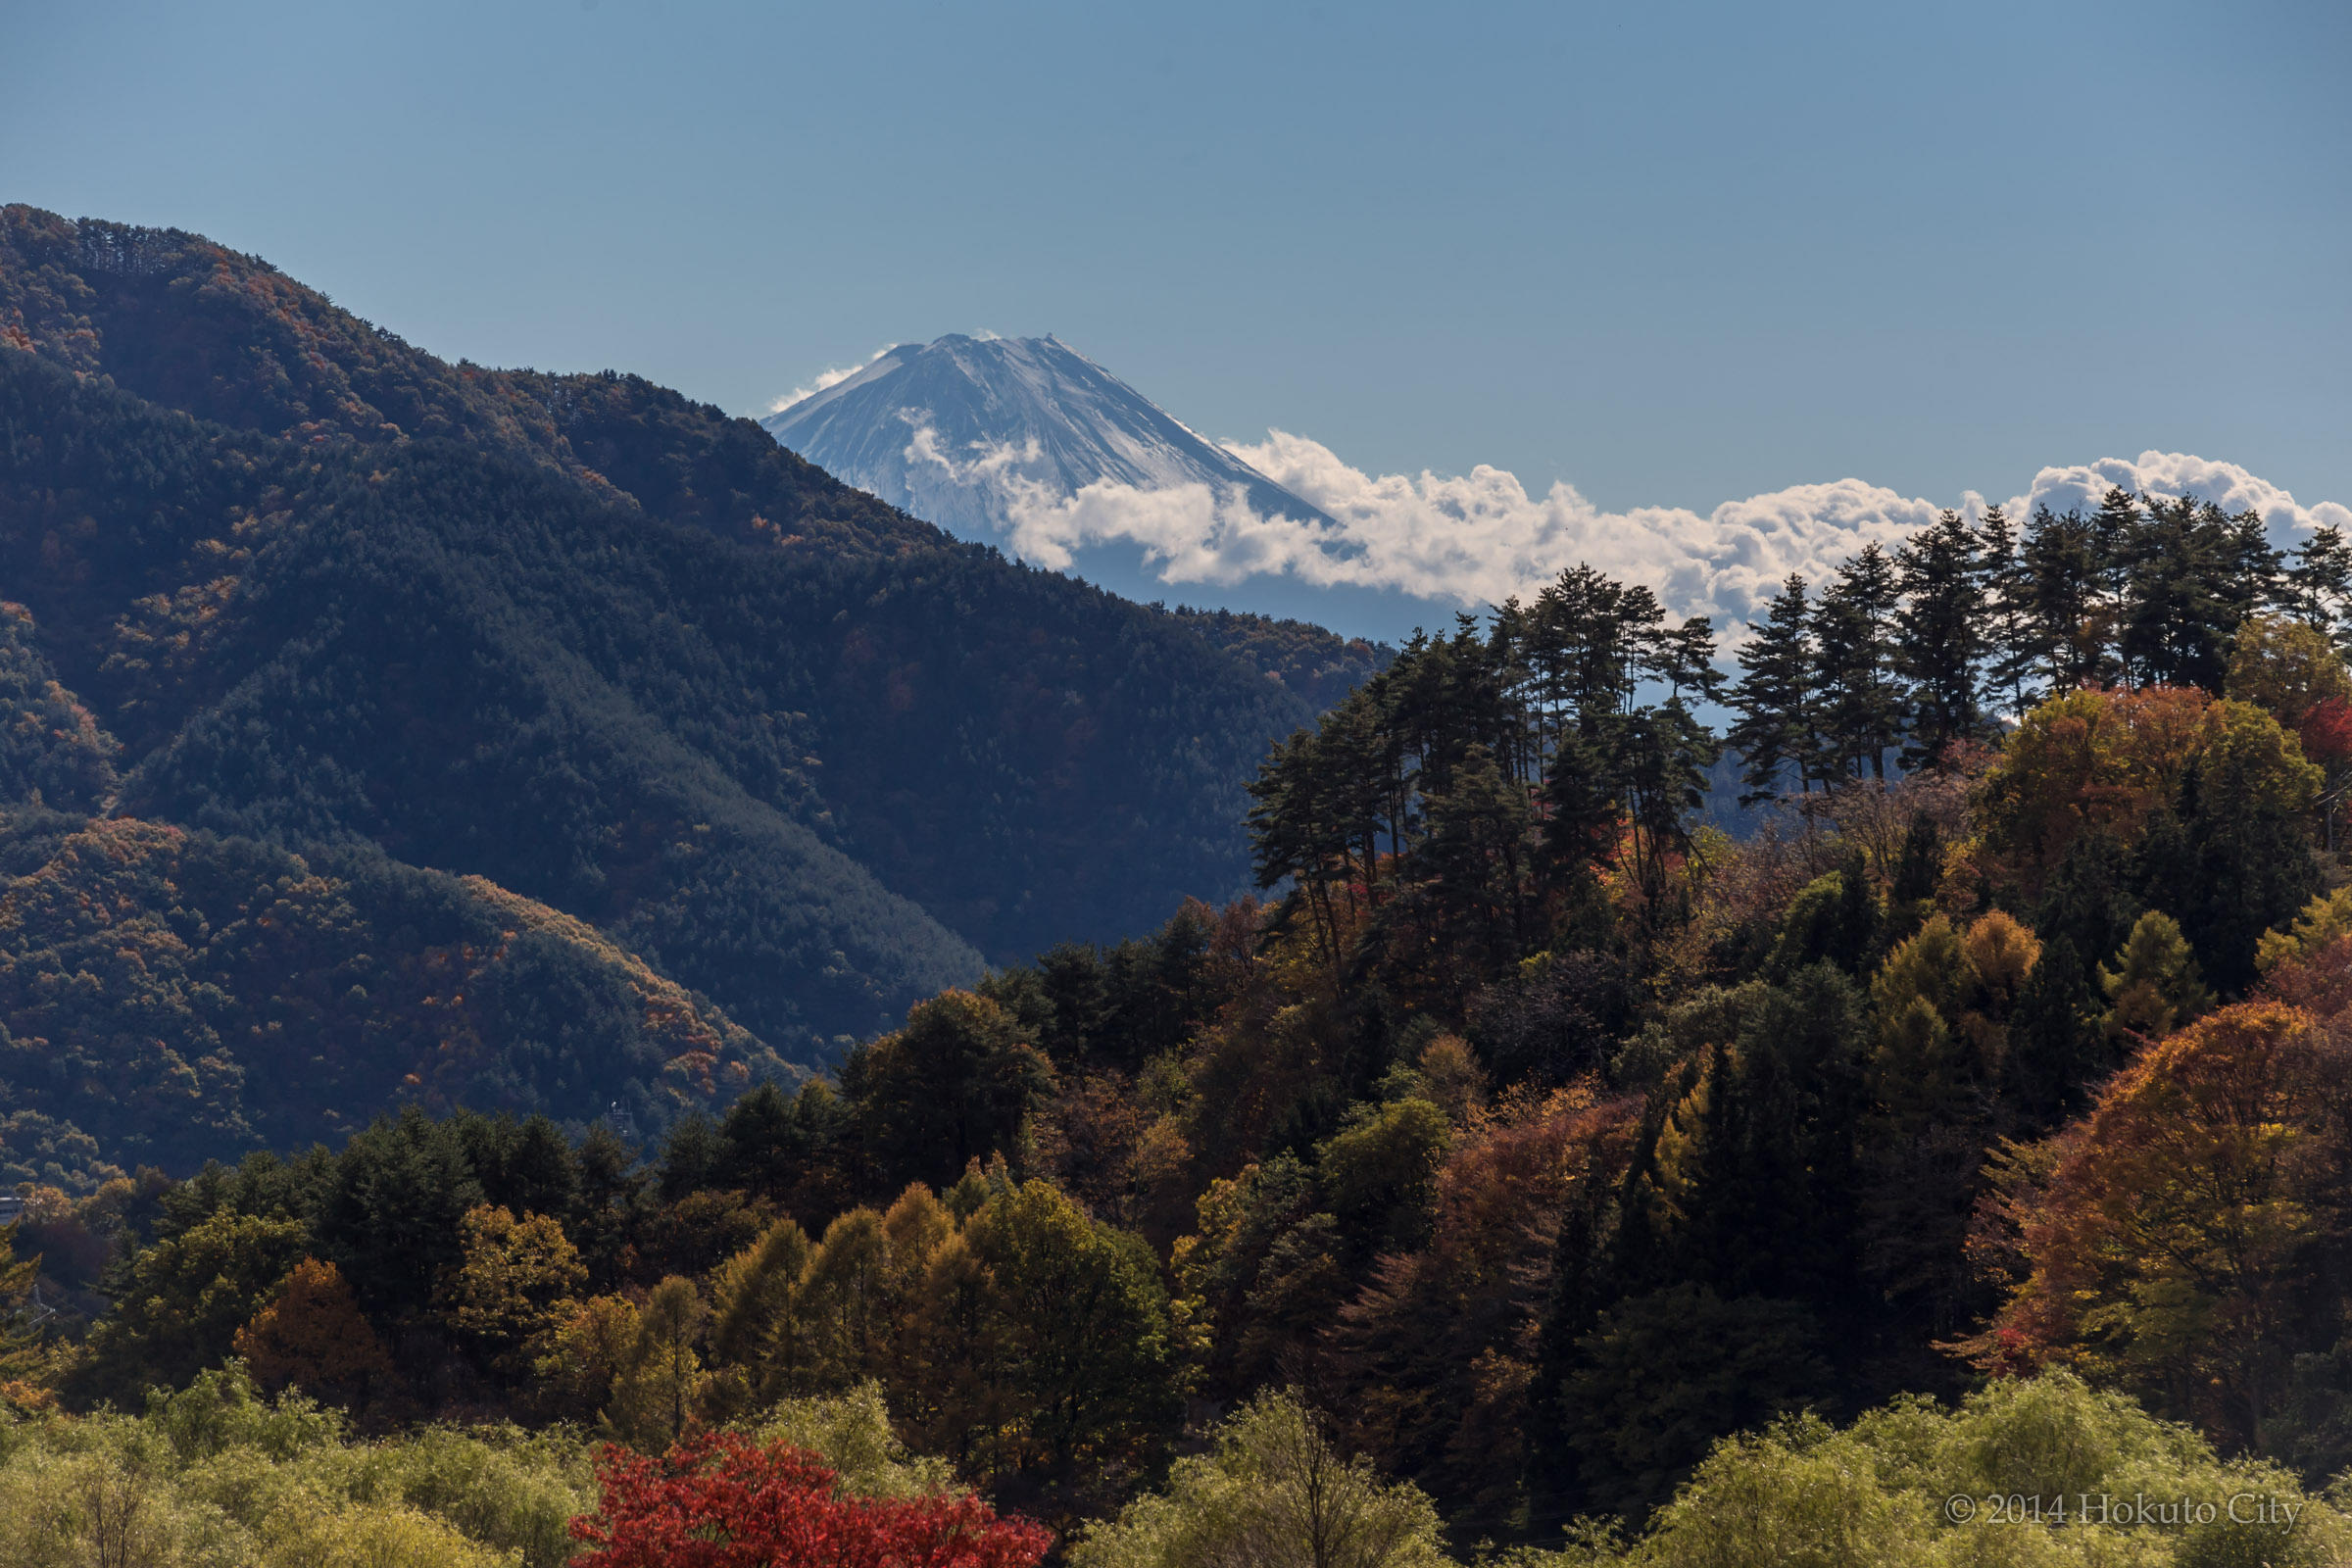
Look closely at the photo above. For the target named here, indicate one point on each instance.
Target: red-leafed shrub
(722, 1500)
(2327, 732)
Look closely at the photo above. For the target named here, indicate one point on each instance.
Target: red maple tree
(2327, 732)
(722, 1500)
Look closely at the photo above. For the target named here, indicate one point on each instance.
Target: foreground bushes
(217, 1475)
(2028, 1473)
(2004, 1479)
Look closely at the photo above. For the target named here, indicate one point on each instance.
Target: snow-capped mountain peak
(964, 431)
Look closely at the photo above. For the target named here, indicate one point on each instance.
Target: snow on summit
(979, 434)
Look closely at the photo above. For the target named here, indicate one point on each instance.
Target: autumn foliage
(722, 1501)
(2170, 1239)
(314, 1336)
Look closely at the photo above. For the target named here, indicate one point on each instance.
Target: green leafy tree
(1273, 1492)
(1833, 918)
(1879, 1493)
(182, 1301)
(1378, 1175)
(2232, 858)
(1084, 1330)
(2286, 668)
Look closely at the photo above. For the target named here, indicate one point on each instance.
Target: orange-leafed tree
(314, 1336)
(722, 1500)
(2177, 1239)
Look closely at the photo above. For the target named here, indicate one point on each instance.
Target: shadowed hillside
(576, 635)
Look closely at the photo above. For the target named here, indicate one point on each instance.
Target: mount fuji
(985, 436)
(963, 432)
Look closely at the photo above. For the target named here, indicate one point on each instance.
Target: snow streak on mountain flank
(1027, 440)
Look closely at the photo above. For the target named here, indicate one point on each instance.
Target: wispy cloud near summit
(830, 377)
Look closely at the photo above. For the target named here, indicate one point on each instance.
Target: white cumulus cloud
(2176, 473)
(1478, 538)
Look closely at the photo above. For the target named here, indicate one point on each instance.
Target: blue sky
(1676, 254)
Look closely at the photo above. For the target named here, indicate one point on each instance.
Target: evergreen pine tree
(2185, 591)
(2319, 585)
(2233, 863)
(1919, 869)
(1940, 638)
(2119, 547)
(1861, 706)
(1774, 733)
(1856, 922)
(2054, 1039)
(1581, 814)
(2014, 651)
(2090, 903)
(2067, 611)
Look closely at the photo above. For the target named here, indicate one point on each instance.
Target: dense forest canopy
(1538, 1165)
(1524, 1170)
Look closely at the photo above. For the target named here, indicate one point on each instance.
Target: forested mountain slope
(605, 648)
(181, 321)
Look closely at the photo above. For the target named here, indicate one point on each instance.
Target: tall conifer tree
(2065, 607)
(1940, 638)
(2013, 650)
(1861, 700)
(1774, 733)
(2319, 585)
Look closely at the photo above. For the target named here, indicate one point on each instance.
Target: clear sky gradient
(1673, 254)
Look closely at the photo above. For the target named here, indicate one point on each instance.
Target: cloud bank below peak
(1475, 539)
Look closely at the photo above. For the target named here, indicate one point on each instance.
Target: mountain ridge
(603, 646)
